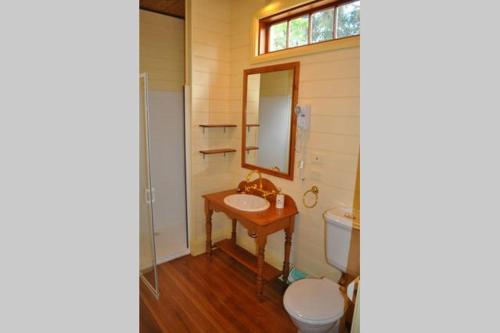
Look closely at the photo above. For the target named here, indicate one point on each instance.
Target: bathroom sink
(247, 202)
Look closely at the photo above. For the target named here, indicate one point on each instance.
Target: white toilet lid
(314, 300)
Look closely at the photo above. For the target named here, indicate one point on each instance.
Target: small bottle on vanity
(280, 200)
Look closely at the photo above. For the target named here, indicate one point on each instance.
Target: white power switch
(303, 116)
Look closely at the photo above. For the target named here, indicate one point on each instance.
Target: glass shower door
(147, 246)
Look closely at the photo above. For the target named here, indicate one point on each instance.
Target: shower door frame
(187, 181)
(155, 290)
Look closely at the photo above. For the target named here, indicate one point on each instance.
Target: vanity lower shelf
(247, 259)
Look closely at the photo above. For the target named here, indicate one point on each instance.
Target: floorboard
(217, 294)
(147, 322)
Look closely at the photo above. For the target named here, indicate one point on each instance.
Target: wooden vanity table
(259, 226)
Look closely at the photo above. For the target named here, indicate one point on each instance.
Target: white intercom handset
(303, 122)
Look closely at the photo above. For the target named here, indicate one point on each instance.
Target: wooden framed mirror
(270, 95)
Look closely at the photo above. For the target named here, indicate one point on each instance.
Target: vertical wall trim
(187, 148)
(188, 119)
(187, 45)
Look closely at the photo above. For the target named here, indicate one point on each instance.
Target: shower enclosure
(163, 219)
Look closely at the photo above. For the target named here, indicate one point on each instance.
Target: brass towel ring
(314, 190)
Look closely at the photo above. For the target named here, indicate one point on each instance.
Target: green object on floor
(296, 275)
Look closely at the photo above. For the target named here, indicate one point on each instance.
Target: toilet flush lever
(350, 215)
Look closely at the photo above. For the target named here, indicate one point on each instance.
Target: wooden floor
(202, 294)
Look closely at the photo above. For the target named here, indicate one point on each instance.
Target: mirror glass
(269, 120)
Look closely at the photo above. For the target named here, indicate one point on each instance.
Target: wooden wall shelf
(247, 259)
(251, 148)
(250, 126)
(217, 151)
(216, 126)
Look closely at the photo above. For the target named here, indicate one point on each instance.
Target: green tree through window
(348, 20)
(277, 36)
(298, 30)
(322, 25)
(326, 24)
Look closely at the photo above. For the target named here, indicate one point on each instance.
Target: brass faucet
(258, 173)
(259, 188)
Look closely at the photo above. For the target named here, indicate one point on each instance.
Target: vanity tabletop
(265, 217)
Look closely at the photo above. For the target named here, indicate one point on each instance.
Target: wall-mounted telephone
(303, 116)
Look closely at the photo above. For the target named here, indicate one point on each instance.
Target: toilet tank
(342, 239)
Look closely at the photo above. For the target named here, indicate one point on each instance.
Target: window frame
(290, 14)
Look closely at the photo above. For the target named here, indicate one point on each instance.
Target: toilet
(316, 305)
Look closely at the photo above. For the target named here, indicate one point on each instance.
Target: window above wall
(309, 24)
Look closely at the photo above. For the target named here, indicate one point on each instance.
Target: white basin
(247, 202)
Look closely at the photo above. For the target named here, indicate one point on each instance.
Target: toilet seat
(314, 301)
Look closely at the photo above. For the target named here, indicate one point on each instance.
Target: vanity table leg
(288, 245)
(261, 245)
(208, 228)
(233, 233)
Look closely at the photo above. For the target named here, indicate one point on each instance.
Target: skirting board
(173, 256)
(164, 259)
